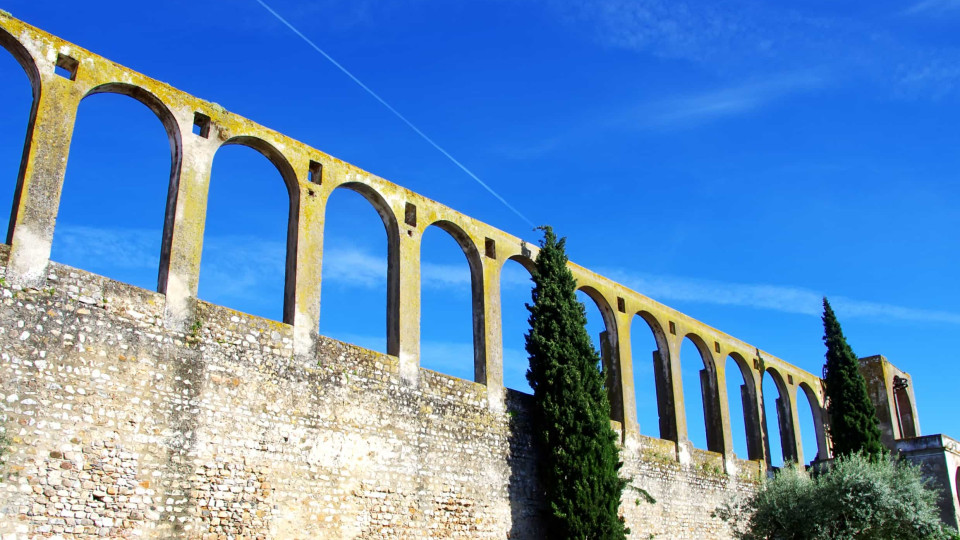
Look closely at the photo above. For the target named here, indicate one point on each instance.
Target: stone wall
(939, 458)
(118, 427)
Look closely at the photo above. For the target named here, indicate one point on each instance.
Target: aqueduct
(62, 75)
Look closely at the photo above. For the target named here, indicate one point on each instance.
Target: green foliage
(853, 418)
(579, 461)
(858, 497)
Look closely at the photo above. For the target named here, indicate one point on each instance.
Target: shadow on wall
(527, 508)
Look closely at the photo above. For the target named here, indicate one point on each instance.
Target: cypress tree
(579, 460)
(853, 419)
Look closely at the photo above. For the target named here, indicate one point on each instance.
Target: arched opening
(812, 427)
(250, 209)
(451, 303)
(359, 283)
(777, 419)
(742, 400)
(18, 139)
(908, 427)
(601, 327)
(651, 377)
(808, 434)
(515, 293)
(17, 95)
(115, 191)
(700, 396)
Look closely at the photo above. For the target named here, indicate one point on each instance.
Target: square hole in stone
(66, 67)
(201, 125)
(673, 328)
(716, 346)
(315, 174)
(621, 304)
(410, 215)
(490, 248)
(790, 379)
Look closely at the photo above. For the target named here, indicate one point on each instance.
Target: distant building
(891, 391)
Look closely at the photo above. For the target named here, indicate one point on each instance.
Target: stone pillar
(710, 396)
(37, 198)
(788, 443)
(797, 441)
(819, 424)
(308, 272)
(726, 434)
(662, 380)
(407, 310)
(490, 373)
(610, 360)
(674, 418)
(752, 418)
(628, 398)
(180, 272)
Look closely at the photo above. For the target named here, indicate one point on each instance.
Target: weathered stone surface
(117, 426)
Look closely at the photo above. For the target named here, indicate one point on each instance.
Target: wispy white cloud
(933, 7)
(739, 38)
(670, 29)
(729, 101)
(770, 297)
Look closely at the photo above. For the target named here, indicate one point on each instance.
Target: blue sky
(735, 160)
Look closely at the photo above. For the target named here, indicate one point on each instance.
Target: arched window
(651, 377)
(700, 395)
(355, 297)
(744, 416)
(244, 260)
(515, 288)
(17, 96)
(451, 309)
(114, 199)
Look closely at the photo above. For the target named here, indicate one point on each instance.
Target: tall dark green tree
(579, 460)
(853, 418)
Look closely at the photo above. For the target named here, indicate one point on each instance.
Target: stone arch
(392, 229)
(474, 262)
(289, 177)
(172, 128)
(663, 377)
(748, 398)
(525, 261)
(784, 418)
(23, 57)
(712, 414)
(513, 317)
(97, 189)
(609, 350)
(819, 419)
